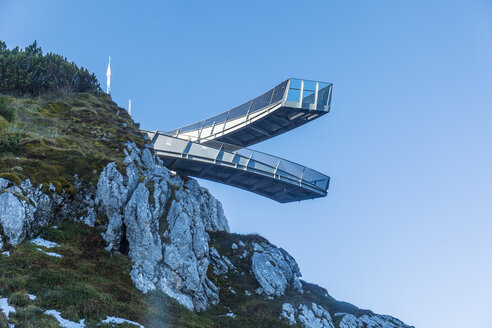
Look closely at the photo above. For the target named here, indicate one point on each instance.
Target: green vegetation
(30, 72)
(86, 283)
(6, 112)
(52, 139)
(256, 310)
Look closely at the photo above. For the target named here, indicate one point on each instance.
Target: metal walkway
(213, 149)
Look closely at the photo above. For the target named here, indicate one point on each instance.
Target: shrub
(30, 72)
(8, 113)
(19, 299)
(9, 143)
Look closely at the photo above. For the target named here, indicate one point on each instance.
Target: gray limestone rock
(162, 222)
(288, 312)
(24, 210)
(369, 321)
(274, 269)
(4, 183)
(317, 317)
(268, 275)
(220, 264)
(12, 218)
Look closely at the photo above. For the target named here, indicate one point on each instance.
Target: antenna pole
(108, 77)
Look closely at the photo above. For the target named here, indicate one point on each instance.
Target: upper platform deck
(290, 104)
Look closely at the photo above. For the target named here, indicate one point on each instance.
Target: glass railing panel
(295, 84)
(294, 95)
(261, 166)
(309, 85)
(203, 151)
(308, 98)
(323, 97)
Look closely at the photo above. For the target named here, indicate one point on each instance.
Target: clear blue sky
(406, 227)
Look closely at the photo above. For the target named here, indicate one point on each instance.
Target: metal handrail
(276, 165)
(239, 111)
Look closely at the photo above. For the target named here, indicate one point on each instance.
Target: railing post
(329, 96)
(216, 157)
(200, 132)
(213, 126)
(286, 92)
(233, 157)
(316, 96)
(227, 117)
(247, 163)
(276, 168)
(302, 92)
(302, 175)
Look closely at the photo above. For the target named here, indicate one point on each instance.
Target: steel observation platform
(215, 148)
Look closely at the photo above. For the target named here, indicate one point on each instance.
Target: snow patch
(6, 253)
(44, 243)
(5, 307)
(120, 320)
(49, 253)
(64, 322)
(32, 297)
(229, 314)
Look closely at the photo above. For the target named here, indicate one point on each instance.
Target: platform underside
(275, 123)
(276, 189)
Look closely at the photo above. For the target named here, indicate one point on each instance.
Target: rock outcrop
(369, 321)
(24, 210)
(161, 221)
(274, 269)
(315, 316)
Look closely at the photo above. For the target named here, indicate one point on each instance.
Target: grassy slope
(64, 136)
(85, 283)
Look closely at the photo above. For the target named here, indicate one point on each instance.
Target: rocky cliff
(96, 232)
(164, 224)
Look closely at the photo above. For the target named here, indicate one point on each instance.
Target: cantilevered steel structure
(214, 148)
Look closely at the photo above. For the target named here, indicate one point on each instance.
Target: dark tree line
(30, 72)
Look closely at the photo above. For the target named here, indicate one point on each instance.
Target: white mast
(108, 77)
(130, 107)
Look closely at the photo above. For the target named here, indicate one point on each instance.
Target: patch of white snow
(230, 315)
(6, 253)
(64, 322)
(49, 253)
(32, 297)
(120, 320)
(5, 307)
(44, 243)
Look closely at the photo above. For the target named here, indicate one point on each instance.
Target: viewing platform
(214, 148)
(289, 105)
